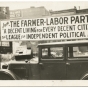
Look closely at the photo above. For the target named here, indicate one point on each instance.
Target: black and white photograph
(43, 40)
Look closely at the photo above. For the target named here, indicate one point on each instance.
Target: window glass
(81, 51)
(52, 53)
(45, 52)
(78, 51)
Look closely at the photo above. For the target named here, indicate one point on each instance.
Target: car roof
(65, 42)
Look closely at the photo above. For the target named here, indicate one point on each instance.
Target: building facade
(29, 13)
(32, 12)
(38, 12)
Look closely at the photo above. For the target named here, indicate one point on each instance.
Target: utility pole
(4, 14)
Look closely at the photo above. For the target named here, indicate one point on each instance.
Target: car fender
(85, 76)
(9, 74)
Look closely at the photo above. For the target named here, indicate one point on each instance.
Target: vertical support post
(0, 60)
(4, 14)
(0, 46)
(0, 54)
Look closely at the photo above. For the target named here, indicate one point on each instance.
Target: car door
(77, 61)
(52, 63)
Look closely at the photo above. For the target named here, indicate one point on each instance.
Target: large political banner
(49, 28)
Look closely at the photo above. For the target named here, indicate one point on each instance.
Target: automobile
(67, 60)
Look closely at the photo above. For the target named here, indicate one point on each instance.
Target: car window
(52, 53)
(78, 52)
